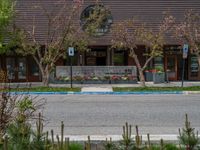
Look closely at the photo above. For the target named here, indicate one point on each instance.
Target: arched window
(96, 20)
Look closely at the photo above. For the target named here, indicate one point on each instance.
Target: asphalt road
(105, 114)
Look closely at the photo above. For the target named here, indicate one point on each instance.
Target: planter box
(66, 82)
(158, 77)
(123, 82)
(96, 82)
(148, 76)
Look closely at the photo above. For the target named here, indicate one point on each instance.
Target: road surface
(105, 114)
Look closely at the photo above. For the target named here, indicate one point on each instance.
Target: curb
(165, 137)
(102, 93)
(191, 92)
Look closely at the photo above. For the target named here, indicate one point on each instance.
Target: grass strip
(43, 89)
(142, 89)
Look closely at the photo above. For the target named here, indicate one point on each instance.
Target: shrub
(187, 136)
(75, 146)
(109, 145)
(171, 147)
(7, 108)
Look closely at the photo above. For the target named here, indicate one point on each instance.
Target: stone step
(96, 89)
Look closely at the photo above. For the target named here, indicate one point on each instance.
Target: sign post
(185, 54)
(70, 54)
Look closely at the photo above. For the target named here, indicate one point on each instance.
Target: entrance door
(16, 69)
(96, 57)
(171, 67)
(101, 61)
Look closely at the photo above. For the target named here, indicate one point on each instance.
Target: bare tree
(127, 34)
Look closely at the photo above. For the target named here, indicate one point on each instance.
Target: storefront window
(10, 66)
(96, 57)
(34, 69)
(22, 68)
(119, 58)
(158, 62)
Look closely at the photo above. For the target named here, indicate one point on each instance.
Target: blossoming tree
(127, 34)
(186, 31)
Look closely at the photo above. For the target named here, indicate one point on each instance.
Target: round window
(96, 20)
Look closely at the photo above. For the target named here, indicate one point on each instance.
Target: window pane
(34, 69)
(158, 63)
(22, 68)
(10, 66)
(119, 59)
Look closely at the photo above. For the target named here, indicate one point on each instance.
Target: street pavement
(106, 114)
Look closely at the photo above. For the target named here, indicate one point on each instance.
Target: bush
(75, 146)
(171, 147)
(187, 136)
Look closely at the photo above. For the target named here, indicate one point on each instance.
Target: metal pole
(183, 70)
(70, 71)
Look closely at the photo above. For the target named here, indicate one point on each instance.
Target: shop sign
(185, 51)
(194, 66)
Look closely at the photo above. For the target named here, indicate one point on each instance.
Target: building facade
(21, 69)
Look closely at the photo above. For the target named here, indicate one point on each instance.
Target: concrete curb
(191, 92)
(102, 93)
(165, 137)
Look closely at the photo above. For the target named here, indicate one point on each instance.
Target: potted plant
(115, 79)
(159, 75)
(149, 74)
(128, 79)
(77, 79)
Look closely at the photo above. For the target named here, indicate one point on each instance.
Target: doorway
(101, 61)
(96, 57)
(16, 69)
(171, 67)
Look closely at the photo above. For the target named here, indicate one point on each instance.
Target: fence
(96, 73)
(100, 71)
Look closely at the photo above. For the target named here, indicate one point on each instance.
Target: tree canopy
(6, 14)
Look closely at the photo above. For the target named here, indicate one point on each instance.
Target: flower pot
(123, 82)
(148, 76)
(96, 82)
(158, 77)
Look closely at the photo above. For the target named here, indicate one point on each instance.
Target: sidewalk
(149, 84)
(108, 88)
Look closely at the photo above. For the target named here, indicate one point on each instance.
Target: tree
(186, 31)
(187, 136)
(61, 32)
(6, 13)
(127, 34)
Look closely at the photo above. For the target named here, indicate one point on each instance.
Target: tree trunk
(140, 70)
(45, 71)
(45, 79)
(142, 78)
(45, 76)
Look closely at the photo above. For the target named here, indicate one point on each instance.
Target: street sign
(71, 51)
(185, 51)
